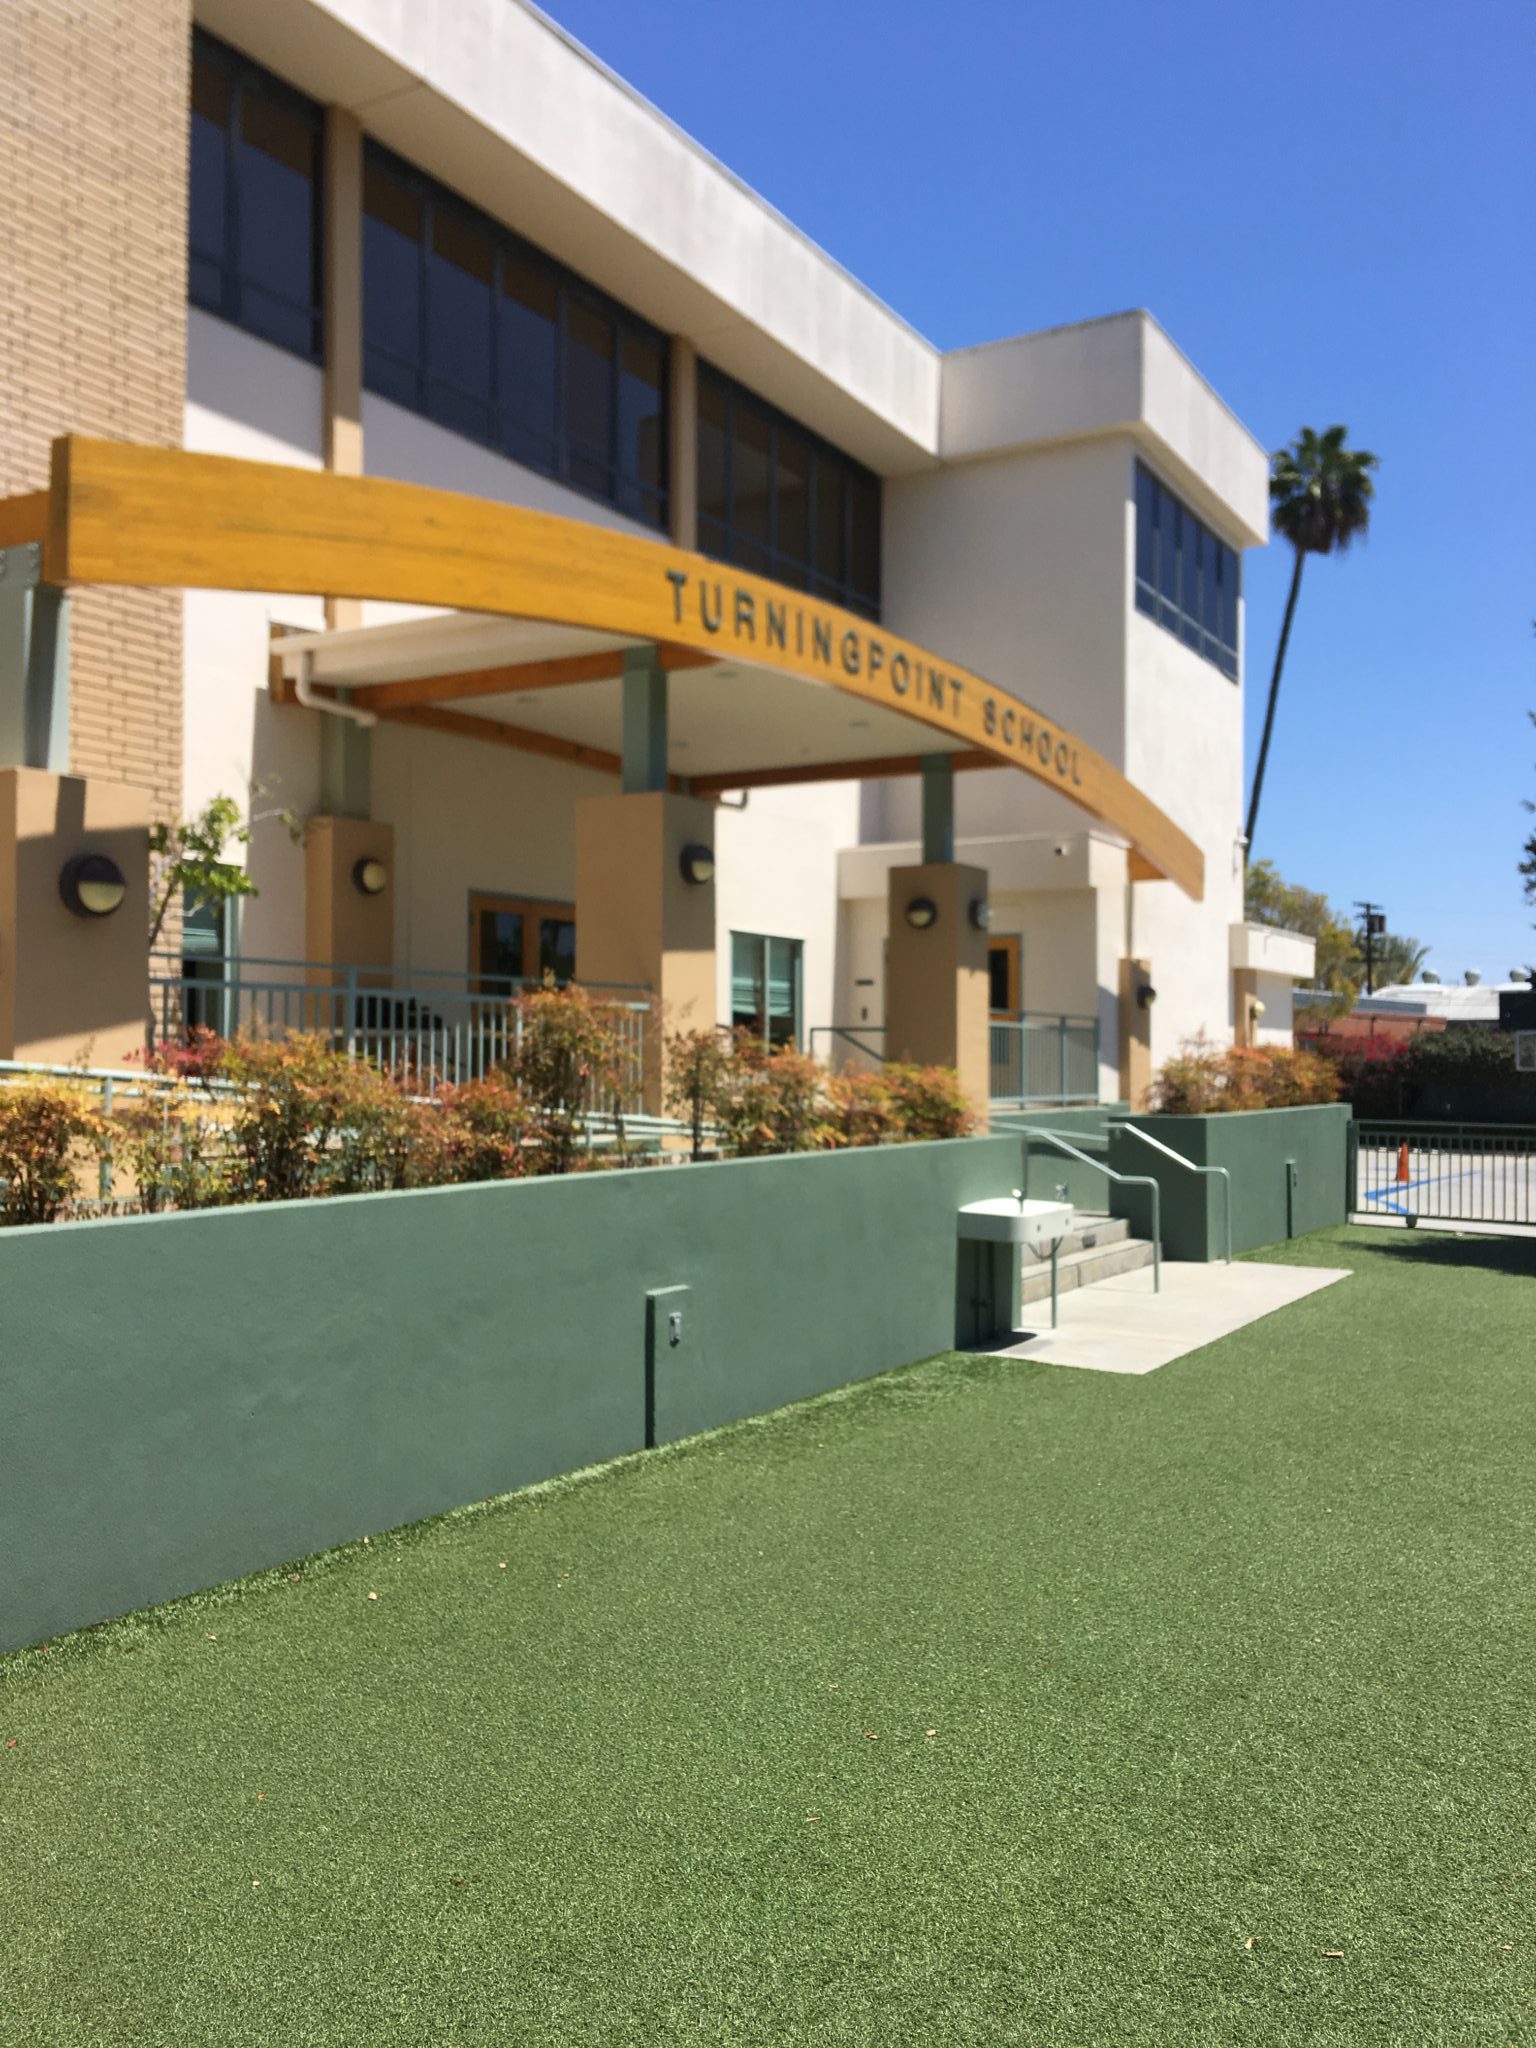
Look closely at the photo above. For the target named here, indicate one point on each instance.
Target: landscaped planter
(1288, 1171)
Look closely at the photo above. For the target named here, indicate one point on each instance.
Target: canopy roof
(768, 684)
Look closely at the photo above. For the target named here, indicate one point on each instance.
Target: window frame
(722, 540)
(1178, 601)
(244, 77)
(765, 941)
(510, 434)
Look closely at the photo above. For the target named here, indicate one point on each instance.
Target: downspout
(337, 707)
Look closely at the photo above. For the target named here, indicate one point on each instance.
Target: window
(485, 334)
(515, 940)
(777, 501)
(765, 987)
(254, 202)
(207, 941)
(1186, 578)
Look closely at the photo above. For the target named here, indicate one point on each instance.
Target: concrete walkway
(1120, 1325)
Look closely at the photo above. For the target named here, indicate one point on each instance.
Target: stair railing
(1125, 1180)
(1178, 1159)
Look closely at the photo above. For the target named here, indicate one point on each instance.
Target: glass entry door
(513, 937)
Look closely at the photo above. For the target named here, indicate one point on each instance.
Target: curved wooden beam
(123, 514)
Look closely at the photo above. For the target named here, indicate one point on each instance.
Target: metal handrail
(470, 981)
(847, 1031)
(1179, 1160)
(1128, 1180)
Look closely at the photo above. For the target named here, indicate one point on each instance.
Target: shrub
(197, 1057)
(571, 1061)
(927, 1102)
(482, 1130)
(177, 1144)
(860, 1109)
(294, 1095)
(1203, 1079)
(770, 1099)
(46, 1129)
(698, 1067)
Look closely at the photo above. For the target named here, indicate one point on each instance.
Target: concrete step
(1091, 1232)
(1083, 1268)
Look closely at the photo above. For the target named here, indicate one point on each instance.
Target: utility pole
(1373, 925)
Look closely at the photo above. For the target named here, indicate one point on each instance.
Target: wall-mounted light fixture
(1258, 1009)
(981, 913)
(1146, 996)
(697, 864)
(92, 885)
(370, 877)
(921, 912)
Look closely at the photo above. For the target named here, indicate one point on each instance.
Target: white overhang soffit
(460, 672)
(498, 102)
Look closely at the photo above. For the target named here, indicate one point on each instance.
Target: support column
(1245, 997)
(683, 444)
(34, 664)
(349, 894)
(73, 986)
(645, 722)
(342, 254)
(938, 808)
(1135, 1031)
(640, 923)
(936, 970)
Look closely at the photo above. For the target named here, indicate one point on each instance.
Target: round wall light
(922, 912)
(369, 876)
(981, 913)
(697, 864)
(92, 885)
(1146, 995)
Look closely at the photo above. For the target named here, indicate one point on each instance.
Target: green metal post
(645, 722)
(938, 809)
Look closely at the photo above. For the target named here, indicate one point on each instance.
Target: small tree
(187, 858)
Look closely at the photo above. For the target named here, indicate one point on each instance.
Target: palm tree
(1320, 496)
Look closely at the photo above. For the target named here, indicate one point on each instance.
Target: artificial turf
(986, 1703)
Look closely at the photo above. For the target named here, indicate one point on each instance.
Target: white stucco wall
(776, 874)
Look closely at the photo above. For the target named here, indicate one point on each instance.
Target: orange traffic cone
(1402, 1161)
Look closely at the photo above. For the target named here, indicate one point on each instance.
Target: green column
(346, 766)
(34, 665)
(938, 808)
(645, 722)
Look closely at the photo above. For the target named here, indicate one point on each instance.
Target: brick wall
(93, 140)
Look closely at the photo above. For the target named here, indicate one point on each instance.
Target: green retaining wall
(184, 1399)
(1289, 1172)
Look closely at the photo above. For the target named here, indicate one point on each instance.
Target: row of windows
(480, 331)
(464, 322)
(254, 228)
(1186, 579)
(776, 500)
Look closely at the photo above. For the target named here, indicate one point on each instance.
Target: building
(764, 659)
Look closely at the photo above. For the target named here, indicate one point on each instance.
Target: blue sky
(1332, 209)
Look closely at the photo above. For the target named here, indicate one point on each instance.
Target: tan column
(639, 923)
(72, 987)
(347, 921)
(1135, 1032)
(683, 448)
(1245, 996)
(936, 974)
(342, 298)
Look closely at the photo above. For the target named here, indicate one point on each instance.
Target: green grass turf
(1242, 1649)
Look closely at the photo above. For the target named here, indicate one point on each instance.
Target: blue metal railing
(1040, 1060)
(432, 1026)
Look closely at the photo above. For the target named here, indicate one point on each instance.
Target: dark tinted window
(1186, 578)
(465, 322)
(254, 199)
(775, 499)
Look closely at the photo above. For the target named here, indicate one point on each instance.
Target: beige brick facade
(93, 139)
